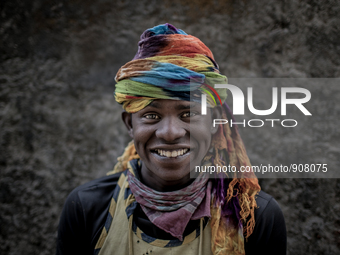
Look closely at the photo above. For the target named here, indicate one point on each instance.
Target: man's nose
(170, 129)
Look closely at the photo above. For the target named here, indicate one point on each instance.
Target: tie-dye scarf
(172, 211)
(170, 64)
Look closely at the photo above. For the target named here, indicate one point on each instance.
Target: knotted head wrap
(170, 64)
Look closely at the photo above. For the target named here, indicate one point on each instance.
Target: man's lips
(171, 151)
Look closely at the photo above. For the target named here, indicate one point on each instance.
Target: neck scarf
(171, 211)
(170, 64)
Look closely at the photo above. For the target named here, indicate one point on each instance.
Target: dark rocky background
(60, 126)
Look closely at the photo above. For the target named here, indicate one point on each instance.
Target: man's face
(171, 138)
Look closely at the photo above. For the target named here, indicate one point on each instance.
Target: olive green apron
(120, 239)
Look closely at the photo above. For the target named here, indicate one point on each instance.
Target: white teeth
(172, 153)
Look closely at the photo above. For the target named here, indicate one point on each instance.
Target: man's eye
(188, 114)
(151, 116)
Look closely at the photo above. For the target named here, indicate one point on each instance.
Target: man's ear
(216, 113)
(127, 119)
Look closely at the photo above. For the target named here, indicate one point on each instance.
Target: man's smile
(171, 137)
(171, 153)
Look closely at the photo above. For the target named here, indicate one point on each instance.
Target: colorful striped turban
(171, 64)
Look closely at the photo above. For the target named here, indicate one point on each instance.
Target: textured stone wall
(60, 126)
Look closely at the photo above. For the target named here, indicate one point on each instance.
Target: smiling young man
(150, 204)
(170, 136)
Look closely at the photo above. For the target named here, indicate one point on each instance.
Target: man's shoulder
(263, 198)
(84, 214)
(269, 235)
(94, 192)
(266, 204)
(100, 183)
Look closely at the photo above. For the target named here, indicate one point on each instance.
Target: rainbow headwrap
(170, 64)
